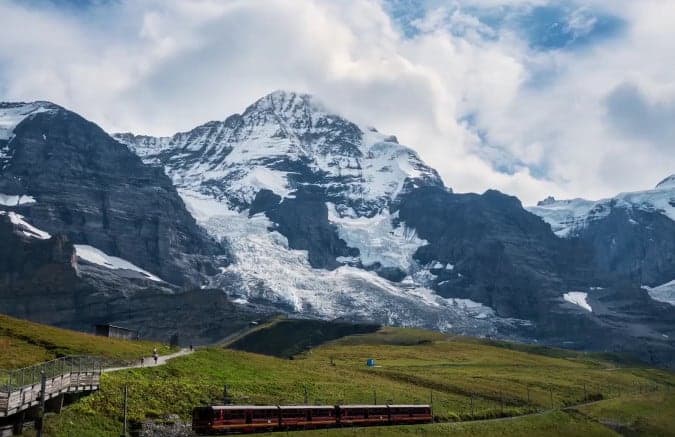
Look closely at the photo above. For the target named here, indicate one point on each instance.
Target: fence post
(43, 398)
(124, 425)
(528, 394)
(550, 390)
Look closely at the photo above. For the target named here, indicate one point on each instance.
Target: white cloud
(162, 66)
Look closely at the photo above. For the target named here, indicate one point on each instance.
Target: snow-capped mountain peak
(282, 141)
(570, 217)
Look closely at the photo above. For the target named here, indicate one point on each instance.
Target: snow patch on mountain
(377, 239)
(568, 217)
(578, 298)
(13, 200)
(663, 293)
(24, 227)
(94, 256)
(11, 114)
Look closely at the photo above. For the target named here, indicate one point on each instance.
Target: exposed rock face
(97, 192)
(42, 280)
(632, 234)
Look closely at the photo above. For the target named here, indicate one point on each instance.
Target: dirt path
(150, 361)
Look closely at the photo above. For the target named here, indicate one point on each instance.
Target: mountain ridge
(319, 217)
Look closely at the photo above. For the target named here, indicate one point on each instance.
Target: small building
(112, 331)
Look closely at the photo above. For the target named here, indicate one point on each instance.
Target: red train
(230, 419)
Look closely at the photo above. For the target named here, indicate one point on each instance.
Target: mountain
(84, 184)
(90, 234)
(332, 219)
(289, 207)
(632, 234)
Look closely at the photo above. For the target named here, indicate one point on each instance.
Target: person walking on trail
(155, 355)
(142, 361)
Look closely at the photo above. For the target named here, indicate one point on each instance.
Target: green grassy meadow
(467, 379)
(25, 343)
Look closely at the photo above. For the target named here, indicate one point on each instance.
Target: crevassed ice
(377, 239)
(270, 270)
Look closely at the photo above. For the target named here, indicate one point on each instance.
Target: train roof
(409, 406)
(363, 406)
(293, 407)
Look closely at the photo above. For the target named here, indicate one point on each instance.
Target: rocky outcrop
(42, 280)
(97, 192)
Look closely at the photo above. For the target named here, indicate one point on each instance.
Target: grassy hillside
(24, 343)
(466, 379)
(285, 338)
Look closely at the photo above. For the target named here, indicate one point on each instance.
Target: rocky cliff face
(91, 188)
(632, 235)
(43, 279)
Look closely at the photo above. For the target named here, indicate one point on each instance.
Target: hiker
(155, 355)
(190, 347)
(142, 361)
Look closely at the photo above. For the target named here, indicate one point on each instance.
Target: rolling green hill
(465, 378)
(24, 343)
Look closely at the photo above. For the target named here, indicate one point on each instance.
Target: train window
(264, 414)
(294, 413)
(354, 412)
(233, 414)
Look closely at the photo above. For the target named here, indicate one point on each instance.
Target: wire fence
(11, 380)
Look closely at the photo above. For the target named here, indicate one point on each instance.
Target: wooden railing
(20, 389)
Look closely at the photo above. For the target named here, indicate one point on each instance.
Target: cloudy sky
(532, 97)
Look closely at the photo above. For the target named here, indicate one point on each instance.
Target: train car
(235, 419)
(363, 415)
(308, 416)
(404, 414)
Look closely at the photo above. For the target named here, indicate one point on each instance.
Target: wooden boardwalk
(20, 389)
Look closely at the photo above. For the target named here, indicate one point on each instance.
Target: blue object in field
(370, 362)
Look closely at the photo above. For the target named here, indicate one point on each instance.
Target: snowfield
(11, 200)
(94, 256)
(24, 227)
(663, 293)
(578, 298)
(568, 217)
